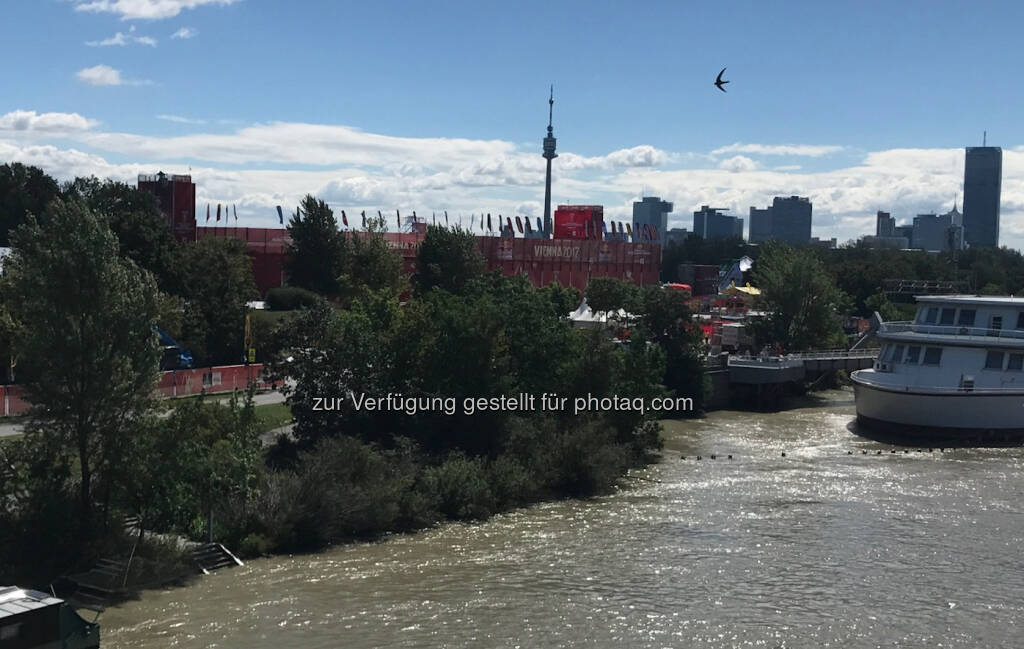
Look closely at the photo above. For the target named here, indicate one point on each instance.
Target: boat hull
(975, 417)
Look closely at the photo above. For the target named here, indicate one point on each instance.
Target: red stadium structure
(570, 260)
(176, 196)
(566, 261)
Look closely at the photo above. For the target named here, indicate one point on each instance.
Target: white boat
(955, 372)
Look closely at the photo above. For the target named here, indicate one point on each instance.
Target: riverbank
(812, 549)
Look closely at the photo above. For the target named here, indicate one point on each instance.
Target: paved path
(8, 429)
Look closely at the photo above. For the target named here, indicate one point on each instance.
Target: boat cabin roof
(15, 601)
(995, 300)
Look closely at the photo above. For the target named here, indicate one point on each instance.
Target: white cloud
(638, 156)
(811, 150)
(185, 33)
(148, 9)
(313, 144)
(104, 75)
(30, 122)
(121, 39)
(181, 120)
(357, 170)
(737, 164)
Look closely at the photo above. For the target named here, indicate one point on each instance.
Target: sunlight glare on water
(819, 548)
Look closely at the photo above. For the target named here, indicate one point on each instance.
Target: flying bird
(718, 81)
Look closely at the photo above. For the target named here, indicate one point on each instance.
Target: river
(817, 548)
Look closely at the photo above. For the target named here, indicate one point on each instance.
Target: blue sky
(442, 105)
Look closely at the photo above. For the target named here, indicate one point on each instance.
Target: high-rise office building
(653, 212)
(788, 219)
(760, 224)
(712, 223)
(885, 225)
(983, 175)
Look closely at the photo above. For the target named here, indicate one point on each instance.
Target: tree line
(87, 278)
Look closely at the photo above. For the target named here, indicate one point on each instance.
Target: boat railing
(825, 354)
(949, 330)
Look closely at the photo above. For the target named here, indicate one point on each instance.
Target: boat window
(897, 356)
(996, 322)
(994, 361)
(947, 316)
(933, 315)
(913, 354)
(1020, 319)
(967, 317)
(932, 356)
(1015, 363)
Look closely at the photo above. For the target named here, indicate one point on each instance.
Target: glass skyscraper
(983, 176)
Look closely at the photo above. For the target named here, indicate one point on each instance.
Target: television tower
(549, 153)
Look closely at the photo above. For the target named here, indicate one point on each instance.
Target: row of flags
(645, 231)
(233, 210)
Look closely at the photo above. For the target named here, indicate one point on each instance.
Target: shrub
(461, 486)
(288, 298)
(587, 460)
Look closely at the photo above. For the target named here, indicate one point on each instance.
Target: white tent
(585, 318)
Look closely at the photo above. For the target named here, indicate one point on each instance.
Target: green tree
(564, 298)
(801, 299)
(194, 460)
(371, 265)
(24, 190)
(135, 218)
(447, 259)
(217, 283)
(82, 321)
(666, 320)
(607, 294)
(318, 252)
(886, 309)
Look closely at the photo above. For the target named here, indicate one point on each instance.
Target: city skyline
(121, 87)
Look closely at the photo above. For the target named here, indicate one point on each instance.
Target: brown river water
(815, 549)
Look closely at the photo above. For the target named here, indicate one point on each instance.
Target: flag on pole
(234, 210)
(540, 225)
(519, 224)
(654, 232)
(446, 218)
(629, 230)
(489, 228)
(509, 220)
(344, 219)
(207, 212)
(526, 221)
(433, 218)
(398, 218)
(280, 214)
(364, 219)
(218, 212)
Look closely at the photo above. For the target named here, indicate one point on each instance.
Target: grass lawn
(273, 415)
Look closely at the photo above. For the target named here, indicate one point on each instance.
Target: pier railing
(949, 330)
